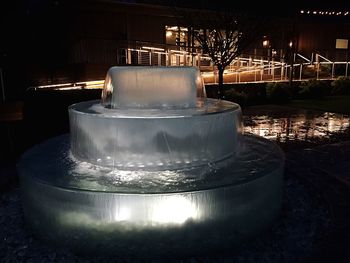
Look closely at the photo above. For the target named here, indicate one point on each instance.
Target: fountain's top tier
(152, 87)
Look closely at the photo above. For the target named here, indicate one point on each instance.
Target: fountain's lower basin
(92, 209)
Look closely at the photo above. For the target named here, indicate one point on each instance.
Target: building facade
(57, 41)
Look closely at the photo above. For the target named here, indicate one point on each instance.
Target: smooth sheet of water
(52, 163)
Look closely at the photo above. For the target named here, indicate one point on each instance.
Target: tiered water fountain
(155, 168)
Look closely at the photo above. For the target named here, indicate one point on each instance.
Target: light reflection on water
(301, 126)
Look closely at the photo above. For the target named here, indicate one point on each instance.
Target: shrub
(341, 86)
(235, 96)
(309, 71)
(278, 92)
(313, 89)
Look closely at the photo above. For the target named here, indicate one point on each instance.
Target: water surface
(284, 124)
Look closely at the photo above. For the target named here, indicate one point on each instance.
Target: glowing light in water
(174, 210)
(122, 214)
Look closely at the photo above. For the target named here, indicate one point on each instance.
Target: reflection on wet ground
(286, 124)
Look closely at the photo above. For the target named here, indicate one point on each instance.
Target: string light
(317, 12)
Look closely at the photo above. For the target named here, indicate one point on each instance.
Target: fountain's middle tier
(155, 139)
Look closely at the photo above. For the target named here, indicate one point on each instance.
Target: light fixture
(154, 48)
(265, 43)
(168, 33)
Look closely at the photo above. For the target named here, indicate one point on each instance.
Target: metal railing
(245, 68)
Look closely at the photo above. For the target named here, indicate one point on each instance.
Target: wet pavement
(326, 171)
(294, 128)
(317, 147)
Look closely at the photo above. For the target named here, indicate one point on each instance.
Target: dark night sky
(276, 6)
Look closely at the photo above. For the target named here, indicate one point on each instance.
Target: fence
(243, 69)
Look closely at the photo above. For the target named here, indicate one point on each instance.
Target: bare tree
(223, 35)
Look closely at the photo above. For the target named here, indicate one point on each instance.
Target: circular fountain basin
(157, 139)
(134, 213)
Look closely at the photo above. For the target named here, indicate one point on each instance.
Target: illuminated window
(341, 43)
(176, 35)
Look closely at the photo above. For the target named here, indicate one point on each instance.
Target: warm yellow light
(168, 33)
(265, 43)
(154, 48)
(177, 51)
(290, 43)
(69, 88)
(94, 82)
